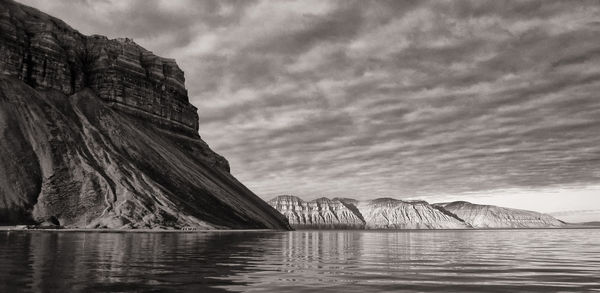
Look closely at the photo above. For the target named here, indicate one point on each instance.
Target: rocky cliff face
(322, 213)
(46, 53)
(385, 213)
(99, 133)
(488, 216)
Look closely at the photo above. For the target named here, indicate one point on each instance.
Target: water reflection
(349, 261)
(63, 262)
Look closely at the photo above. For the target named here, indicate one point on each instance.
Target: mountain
(489, 216)
(322, 213)
(383, 213)
(389, 213)
(98, 132)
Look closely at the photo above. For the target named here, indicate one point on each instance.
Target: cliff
(322, 213)
(99, 133)
(489, 216)
(385, 213)
(46, 53)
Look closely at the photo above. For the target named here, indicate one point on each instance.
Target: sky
(492, 102)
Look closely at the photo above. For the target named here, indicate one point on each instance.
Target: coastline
(20, 228)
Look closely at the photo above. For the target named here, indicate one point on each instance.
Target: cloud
(381, 98)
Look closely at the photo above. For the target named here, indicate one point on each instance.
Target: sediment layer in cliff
(46, 53)
(322, 213)
(79, 142)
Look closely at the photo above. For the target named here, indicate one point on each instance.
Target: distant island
(389, 213)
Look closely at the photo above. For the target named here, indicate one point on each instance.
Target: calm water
(309, 261)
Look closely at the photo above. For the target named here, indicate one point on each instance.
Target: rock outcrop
(322, 213)
(46, 53)
(383, 213)
(99, 133)
(489, 216)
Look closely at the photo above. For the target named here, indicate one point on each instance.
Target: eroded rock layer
(489, 216)
(79, 142)
(77, 159)
(322, 213)
(46, 53)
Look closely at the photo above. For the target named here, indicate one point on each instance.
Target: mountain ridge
(390, 213)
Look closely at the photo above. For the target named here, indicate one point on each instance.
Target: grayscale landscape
(299, 146)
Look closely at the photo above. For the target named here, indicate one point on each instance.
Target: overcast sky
(492, 102)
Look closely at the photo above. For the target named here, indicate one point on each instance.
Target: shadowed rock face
(46, 53)
(99, 133)
(488, 216)
(383, 213)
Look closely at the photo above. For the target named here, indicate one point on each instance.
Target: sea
(529, 260)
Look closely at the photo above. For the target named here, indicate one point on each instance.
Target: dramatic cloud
(381, 98)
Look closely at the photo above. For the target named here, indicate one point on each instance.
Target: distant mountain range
(389, 213)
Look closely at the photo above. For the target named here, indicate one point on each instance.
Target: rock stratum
(388, 213)
(46, 53)
(97, 132)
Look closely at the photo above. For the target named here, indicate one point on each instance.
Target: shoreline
(19, 228)
(22, 228)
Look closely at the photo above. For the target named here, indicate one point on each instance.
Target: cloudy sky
(492, 102)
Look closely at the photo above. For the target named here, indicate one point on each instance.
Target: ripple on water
(302, 261)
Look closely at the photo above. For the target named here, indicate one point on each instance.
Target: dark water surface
(304, 261)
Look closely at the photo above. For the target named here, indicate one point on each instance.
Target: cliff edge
(46, 53)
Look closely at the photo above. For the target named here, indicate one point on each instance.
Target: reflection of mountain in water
(102, 262)
(302, 261)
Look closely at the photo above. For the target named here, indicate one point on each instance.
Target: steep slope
(99, 133)
(384, 213)
(488, 216)
(322, 213)
(388, 213)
